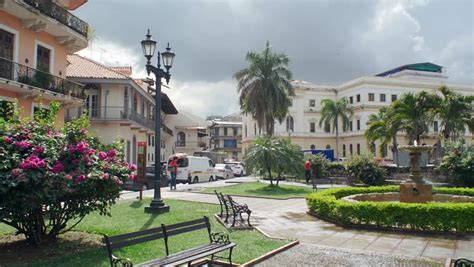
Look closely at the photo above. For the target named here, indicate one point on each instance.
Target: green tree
(264, 87)
(333, 111)
(290, 158)
(414, 113)
(384, 127)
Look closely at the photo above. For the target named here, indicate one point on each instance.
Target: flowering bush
(50, 179)
(458, 163)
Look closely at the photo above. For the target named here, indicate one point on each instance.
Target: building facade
(120, 107)
(226, 136)
(190, 133)
(366, 95)
(35, 39)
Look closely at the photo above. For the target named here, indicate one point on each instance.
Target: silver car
(223, 171)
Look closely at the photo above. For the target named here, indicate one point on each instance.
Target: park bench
(230, 206)
(316, 181)
(218, 242)
(459, 262)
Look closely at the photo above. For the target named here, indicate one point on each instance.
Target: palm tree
(265, 89)
(290, 158)
(413, 112)
(454, 111)
(331, 112)
(382, 126)
(262, 157)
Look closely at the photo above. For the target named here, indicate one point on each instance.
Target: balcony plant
(51, 179)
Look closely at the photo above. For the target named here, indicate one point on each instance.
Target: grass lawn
(263, 189)
(79, 249)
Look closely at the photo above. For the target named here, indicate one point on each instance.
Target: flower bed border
(435, 218)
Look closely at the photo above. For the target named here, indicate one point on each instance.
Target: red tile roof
(82, 67)
(126, 70)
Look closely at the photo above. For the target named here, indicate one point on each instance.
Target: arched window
(313, 147)
(181, 141)
(344, 150)
(328, 146)
(290, 124)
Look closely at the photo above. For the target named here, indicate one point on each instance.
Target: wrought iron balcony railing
(191, 144)
(59, 13)
(23, 74)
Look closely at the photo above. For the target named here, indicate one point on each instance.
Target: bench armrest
(220, 238)
(121, 262)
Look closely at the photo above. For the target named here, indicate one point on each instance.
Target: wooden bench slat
(185, 229)
(135, 241)
(179, 225)
(188, 255)
(135, 234)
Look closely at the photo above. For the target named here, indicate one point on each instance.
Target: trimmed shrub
(365, 169)
(319, 165)
(442, 217)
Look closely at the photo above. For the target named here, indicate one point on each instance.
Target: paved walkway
(288, 219)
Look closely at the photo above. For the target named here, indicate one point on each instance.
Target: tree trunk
(395, 150)
(337, 140)
(270, 175)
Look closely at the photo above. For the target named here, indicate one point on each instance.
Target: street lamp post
(148, 45)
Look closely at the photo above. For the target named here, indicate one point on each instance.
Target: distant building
(226, 136)
(119, 107)
(34, 43)
(190, 133)
(366, 95)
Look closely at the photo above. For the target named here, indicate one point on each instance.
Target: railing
(23, 74)
(57, 12)
(165, 129)
(200, 144)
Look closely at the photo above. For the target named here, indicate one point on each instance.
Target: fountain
(416, 189)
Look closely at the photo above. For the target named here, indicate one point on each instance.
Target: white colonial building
(366, 95)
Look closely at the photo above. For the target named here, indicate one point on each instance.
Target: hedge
(437, 217)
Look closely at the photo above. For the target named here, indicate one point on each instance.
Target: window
(351, 126)
(211, 164)
(312, 102)
(327, 127)
(328, 146)
(358, 149)
(236, 131)
(394, 98)
(289, 124)
(142, 108)
(350, 149)
(384, 151)
(358, 125)
(92, 105)
(125, 98)
(153, 140)
(7, 109)
(40, 112)
(313, 147)
(435, 126)
(312, 127)
(43, 56)
(181, 141)
(216, 131)
(373, 148)
(371, 97)
(344, 150)
(358, 98)
(135, 103)
(6, 51)
(225, 131)
(382, 97)
(351, 100)
(149, 140)
(230, 143)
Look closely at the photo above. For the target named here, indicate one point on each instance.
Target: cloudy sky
(328, 41)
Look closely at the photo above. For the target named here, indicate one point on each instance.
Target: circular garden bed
(431, 217)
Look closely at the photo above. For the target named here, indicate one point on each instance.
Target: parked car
(237, 168)
(223, 171)
(193, 169)
(149, 182)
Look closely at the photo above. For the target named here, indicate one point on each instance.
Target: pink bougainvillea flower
(102, 155)
(58, 167)
(91, 152)
(83, 131)
(32, 162)
(74, 162)
(82, 147)
(117, 180)
(38, 150)
(16, 172)
(132, 167)
(8, 139)
(112, 153)
(80, 178)
(132, 177)
(105, 176)
(68, 177)
(22, 144)
(71, 148)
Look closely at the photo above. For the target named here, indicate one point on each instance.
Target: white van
(193, 169)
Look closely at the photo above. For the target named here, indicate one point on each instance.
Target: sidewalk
(288, 219)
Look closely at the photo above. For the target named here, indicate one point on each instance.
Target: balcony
(191, 144)
(57, 12)
(43, 80)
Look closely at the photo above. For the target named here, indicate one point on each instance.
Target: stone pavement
(288, 219)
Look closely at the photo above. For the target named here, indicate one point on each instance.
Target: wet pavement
(287, 219)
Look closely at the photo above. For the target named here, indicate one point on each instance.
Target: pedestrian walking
(307, 170)
(173, 169)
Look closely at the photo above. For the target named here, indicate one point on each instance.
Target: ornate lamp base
(157, 206)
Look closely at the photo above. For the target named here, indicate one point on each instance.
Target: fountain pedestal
(416, 189)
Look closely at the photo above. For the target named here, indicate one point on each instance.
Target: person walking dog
(307, 170)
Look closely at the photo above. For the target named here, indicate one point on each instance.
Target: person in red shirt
(173, 168)
(307, 170)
